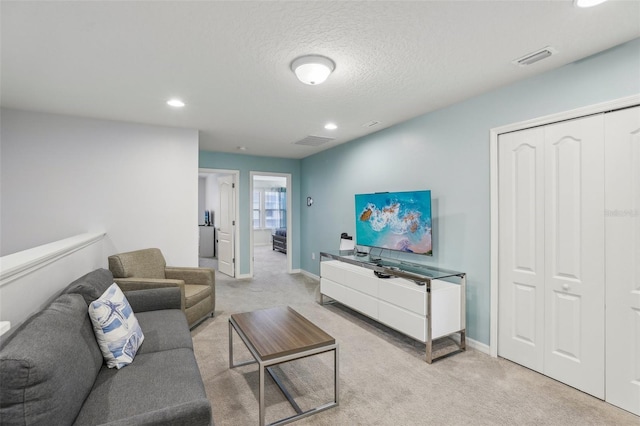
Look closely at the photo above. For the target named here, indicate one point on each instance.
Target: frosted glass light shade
(588, 3)
(175, 103)
(312, 69)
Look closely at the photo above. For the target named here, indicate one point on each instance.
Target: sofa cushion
(92, 285)
(157, 388)
(116, 328)
(195, 293)
(49, 364)
(163, 330)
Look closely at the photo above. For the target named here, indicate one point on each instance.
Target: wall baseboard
(309, 274)
(478, 346)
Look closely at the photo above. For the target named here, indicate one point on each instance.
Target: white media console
(415, 300)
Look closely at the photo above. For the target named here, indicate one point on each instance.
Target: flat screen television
(395, 220)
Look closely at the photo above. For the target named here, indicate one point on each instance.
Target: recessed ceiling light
(588, 3)
(330, 126)
(241, 148)
(175, 103)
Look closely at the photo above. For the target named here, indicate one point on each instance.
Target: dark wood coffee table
(278, 335)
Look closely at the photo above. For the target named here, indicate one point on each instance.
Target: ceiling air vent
(371, 123)
(535, 56)
(313, 141)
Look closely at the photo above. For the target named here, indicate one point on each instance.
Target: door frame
(287, 176)
(236, 231)
(615, 104)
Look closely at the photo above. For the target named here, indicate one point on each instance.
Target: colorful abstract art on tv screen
(395, 220)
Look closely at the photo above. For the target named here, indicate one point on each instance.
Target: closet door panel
(521, 233)
(622, 221)
(574, 253)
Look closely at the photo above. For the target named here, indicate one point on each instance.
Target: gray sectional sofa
(52, 370)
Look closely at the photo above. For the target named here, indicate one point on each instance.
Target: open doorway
(217, 220)
(271, 223)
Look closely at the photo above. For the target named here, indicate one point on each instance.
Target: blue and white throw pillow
(116, 328)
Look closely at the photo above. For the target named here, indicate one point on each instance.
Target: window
(270, 208)
(257, 202)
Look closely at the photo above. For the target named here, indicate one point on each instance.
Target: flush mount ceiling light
(312, 69)
(330, 126)
(175, 103)
(587, 3)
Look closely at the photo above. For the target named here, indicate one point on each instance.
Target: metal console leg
(429, 343)
(230, 345)
(261, 395)
(336, 376)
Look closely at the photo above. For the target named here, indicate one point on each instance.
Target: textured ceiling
(229, 61)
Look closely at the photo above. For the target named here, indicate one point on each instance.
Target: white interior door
(521, 233)
(226, 231)
(622, 221)
(574, 253)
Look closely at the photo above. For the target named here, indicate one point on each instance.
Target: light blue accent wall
(447, 151)
(246, 164)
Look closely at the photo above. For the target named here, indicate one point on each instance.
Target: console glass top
(393, 266)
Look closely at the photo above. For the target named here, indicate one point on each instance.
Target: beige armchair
(147, 268)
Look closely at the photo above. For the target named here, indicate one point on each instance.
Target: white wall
(212, 197)
(62, 176)
(208, 196)
(262, 237)
(202, 182)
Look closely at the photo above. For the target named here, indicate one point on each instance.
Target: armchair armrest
(199, 276)
(154, 299)
(133, 284)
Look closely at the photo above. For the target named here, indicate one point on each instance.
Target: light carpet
(384, 379)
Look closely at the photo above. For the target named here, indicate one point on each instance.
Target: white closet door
(622, 221)
(574, 255)
(521, 233)
(226, 232)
